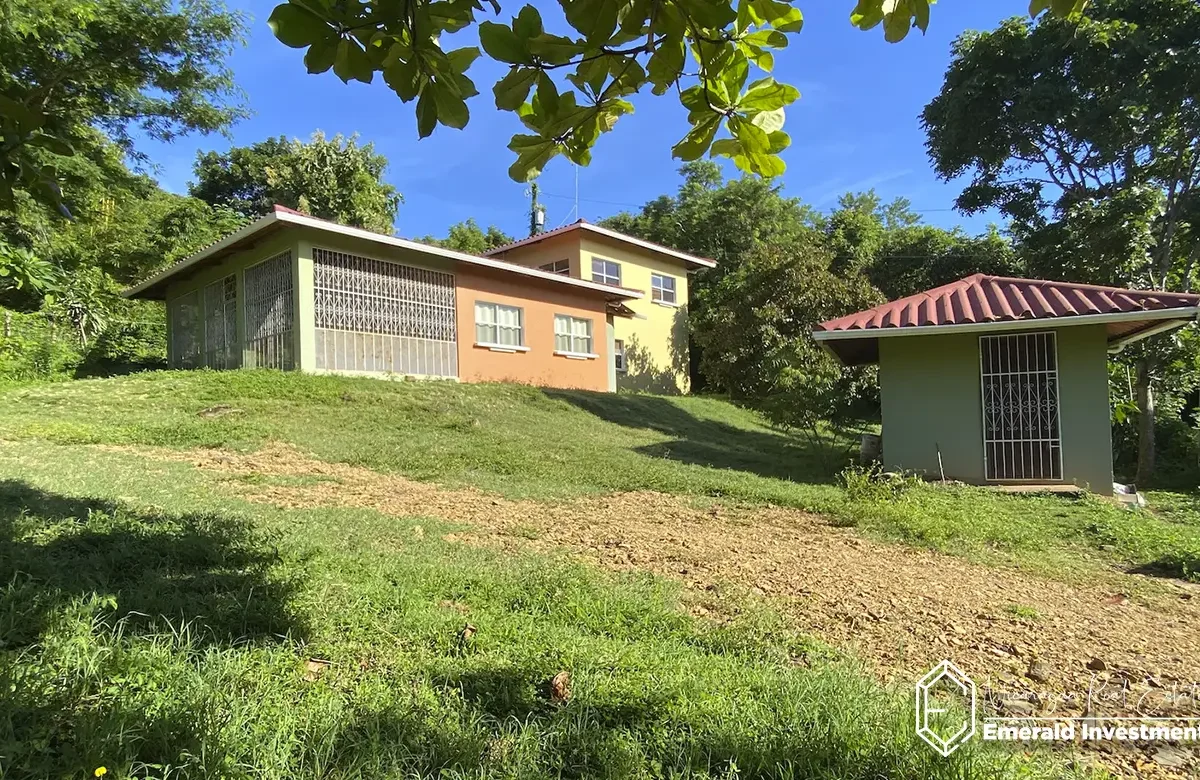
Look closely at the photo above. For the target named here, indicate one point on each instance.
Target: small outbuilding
(997, 380)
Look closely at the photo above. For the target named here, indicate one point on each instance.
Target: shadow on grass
(710, 443)
(212, 573)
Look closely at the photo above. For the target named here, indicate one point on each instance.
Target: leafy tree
(1087, 135)
(469, 237)
(334, 178)
(755, 327)
(125, 67)
(701, 49)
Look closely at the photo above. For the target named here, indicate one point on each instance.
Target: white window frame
(604, 277)
(560, 267)
(1055, 443)
(658, 290)
(497, 344)
(565, 326)
(619, 356)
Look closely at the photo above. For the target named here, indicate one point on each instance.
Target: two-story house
(650, 342)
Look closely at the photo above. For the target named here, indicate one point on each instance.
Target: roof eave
(611, 292)
(688, 260)
(1182, 314)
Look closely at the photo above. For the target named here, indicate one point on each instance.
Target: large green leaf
(502, 44)
(426, 114)
(461, 59)
(533, 152)
(351, 62)
(451, 108)
(512, 90)
(297, 27)
(768, 95)
(401, 76)
(547, 95)
(595, 20)
(784, 17)
(554, 49)
(320, 56)
(666, 64)
(693, 145)
(528, 23)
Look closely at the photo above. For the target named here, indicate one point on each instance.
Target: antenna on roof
(537, 212)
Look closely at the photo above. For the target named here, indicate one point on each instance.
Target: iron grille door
(1021, 435)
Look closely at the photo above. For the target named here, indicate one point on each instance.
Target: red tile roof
(981, 298)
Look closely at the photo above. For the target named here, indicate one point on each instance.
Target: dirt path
(901, 609)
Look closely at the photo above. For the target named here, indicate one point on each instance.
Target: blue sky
(855, 126)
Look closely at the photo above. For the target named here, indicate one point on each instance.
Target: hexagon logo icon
(941, 727)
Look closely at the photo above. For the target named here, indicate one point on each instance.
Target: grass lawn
(151, 625)
(548, 444)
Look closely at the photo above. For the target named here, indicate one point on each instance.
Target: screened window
(606, 271)
(662, 288)
(572, 335)
(562, 267)
(499, 325)
(619, 355)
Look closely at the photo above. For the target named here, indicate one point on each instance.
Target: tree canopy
(568, 89)
(331, 178)
(469, 237)
(1087, 135)
(68, 67)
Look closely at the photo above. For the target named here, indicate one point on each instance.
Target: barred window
(184, 315)
(270, 313)
(374, 296)
(220, 323)
(572, 335)
(496, 324)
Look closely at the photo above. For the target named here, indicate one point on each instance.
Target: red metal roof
(981, 298)
(583, 224)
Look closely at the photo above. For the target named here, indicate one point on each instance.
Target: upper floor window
(662, 288)
(499, 325)
(562, 267)
(606, 271)
(573, 335)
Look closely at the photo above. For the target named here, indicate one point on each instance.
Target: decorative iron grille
(270, 313)
(378, 316)
(220, 324)
(1021, 434)
(184, 315)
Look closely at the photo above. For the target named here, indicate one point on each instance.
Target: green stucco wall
(930, 393)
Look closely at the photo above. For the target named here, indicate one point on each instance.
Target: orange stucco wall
(540, 302)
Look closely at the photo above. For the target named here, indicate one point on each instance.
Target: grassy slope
(150, 625)
(548, 444)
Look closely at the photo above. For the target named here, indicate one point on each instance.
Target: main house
(290, 291)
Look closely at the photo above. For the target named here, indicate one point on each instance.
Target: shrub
(125, 347)
(871, 484)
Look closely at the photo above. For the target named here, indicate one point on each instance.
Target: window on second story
(561, 267)
(606, 271)
(662, 288)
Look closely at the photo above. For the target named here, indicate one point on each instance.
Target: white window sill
(666, 303)
(501, 347)
(576, 355)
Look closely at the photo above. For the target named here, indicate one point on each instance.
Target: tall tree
(331, 178)
(1087, 135)
(701, 50)
(126, 67)
(469, 237)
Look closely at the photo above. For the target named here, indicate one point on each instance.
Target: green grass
(155, 627)
(548, 444)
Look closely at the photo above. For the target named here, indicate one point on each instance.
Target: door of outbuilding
(1022, 437)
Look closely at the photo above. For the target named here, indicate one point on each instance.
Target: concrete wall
(539, 302)
(931, 398)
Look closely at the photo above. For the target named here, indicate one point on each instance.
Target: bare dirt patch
(901, 609)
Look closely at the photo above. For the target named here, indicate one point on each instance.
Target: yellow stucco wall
(656, 340)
